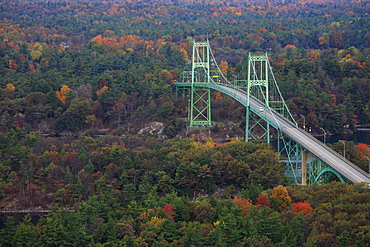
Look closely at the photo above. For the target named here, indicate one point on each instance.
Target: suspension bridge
(307, 160)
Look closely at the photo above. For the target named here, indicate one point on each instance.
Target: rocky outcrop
(220, 133)
(154, 128)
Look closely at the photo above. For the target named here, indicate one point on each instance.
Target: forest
(84, 86)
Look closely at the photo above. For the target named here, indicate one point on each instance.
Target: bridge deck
(343, 166)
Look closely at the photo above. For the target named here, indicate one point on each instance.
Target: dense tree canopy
(80, 81)
(122, 57)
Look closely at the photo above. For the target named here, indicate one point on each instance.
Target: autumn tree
(63, 93)
(282, 196)
(324, 40)
(290, 51)
(8, 91)
(303, 207)
(168, 208)
(244, 204)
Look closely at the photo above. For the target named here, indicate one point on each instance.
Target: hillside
(91, 128)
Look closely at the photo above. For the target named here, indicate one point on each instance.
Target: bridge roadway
(343, 166)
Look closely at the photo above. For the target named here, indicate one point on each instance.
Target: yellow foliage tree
(8, 91)
(35, 54)
(324, 39)
(282, 196)
(35, 50)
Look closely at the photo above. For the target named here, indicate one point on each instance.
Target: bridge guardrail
(218, 86)
(334, 153)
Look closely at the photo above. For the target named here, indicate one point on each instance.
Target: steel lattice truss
(257, 81)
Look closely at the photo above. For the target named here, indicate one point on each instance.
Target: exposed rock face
(219, 133)
(44, 128)
(225, 132)
(201, 135)
(154, 128)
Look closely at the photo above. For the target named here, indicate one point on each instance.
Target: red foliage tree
(262, 200)
(168, 208)
(363, 150)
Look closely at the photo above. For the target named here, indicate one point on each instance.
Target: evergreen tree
(8, 232)
(192, 235)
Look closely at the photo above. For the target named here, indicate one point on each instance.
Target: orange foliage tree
(244, 204)
(313, 54)
(32, 67)
(182, 47)
(290, 51)
(63, 93)
(262, 30)
(9, 87)
(218, 97)
(303, 207)
(102, 90)
(223, 66)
